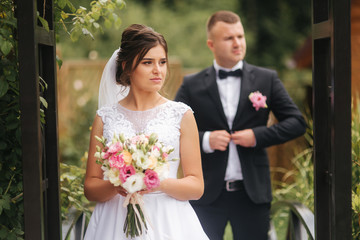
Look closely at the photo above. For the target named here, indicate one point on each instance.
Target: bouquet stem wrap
(135, 222)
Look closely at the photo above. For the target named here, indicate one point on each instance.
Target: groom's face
(227, 42)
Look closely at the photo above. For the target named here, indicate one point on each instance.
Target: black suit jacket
(201, 93)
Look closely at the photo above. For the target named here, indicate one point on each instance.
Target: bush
(11, 199)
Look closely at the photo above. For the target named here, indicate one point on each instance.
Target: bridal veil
(109, 91)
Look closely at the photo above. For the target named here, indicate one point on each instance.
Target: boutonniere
(258, 100)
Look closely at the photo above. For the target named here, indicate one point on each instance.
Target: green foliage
(76, 142)
(80, 21)
(296, 184)
(11, 204)
(355, 133)
(72, 191)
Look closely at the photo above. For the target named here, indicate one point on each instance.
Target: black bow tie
(224, 74)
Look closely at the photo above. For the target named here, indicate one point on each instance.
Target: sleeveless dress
(169, 218)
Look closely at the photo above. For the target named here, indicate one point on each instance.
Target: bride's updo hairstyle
(136, 41)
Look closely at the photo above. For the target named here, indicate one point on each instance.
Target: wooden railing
(77, 227)
(301, 222)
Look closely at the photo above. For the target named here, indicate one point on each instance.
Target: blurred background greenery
(274, 30)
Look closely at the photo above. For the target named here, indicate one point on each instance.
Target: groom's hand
(245, 138)
(219, 140)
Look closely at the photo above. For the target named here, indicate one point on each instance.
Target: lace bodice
(164, 120)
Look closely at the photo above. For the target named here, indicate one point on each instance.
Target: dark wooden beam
(342, 163)
(45, 37)
(30, 121)
(332, 118)
(37, 55)
(51, 145)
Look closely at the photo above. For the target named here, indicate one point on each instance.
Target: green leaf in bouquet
(171, 150)
(97, 138)
(143, 148)
(98, 148)
(153, 138)
(122, 138)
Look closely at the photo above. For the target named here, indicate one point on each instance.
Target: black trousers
(249, 221)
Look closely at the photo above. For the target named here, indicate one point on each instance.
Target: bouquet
(137, 163)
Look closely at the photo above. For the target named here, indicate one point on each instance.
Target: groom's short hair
(221, 16)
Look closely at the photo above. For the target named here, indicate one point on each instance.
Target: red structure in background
(303, 56)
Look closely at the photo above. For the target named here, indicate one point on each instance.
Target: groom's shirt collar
(217, 67)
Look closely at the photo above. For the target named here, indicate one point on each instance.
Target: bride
(140, 68)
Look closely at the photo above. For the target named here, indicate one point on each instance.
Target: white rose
(113, 175)
(134, 183)
(141, 159)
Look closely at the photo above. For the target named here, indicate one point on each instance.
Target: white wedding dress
(169, 218)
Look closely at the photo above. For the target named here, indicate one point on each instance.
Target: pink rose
(116, 161)
(151, 179)
(125, 172)
(258, 100)
(115, 148)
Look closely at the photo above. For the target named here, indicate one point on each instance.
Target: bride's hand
(122, 191)
(146, 191)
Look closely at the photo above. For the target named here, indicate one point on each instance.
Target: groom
(234, 133)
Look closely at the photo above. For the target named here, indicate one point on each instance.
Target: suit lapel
(211, 85)
(246, 83)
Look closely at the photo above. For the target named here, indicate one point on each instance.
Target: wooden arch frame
(37, 54)
(332, 120)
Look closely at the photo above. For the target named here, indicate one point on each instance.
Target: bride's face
(150, 74)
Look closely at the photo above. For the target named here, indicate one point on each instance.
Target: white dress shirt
(229, 91)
